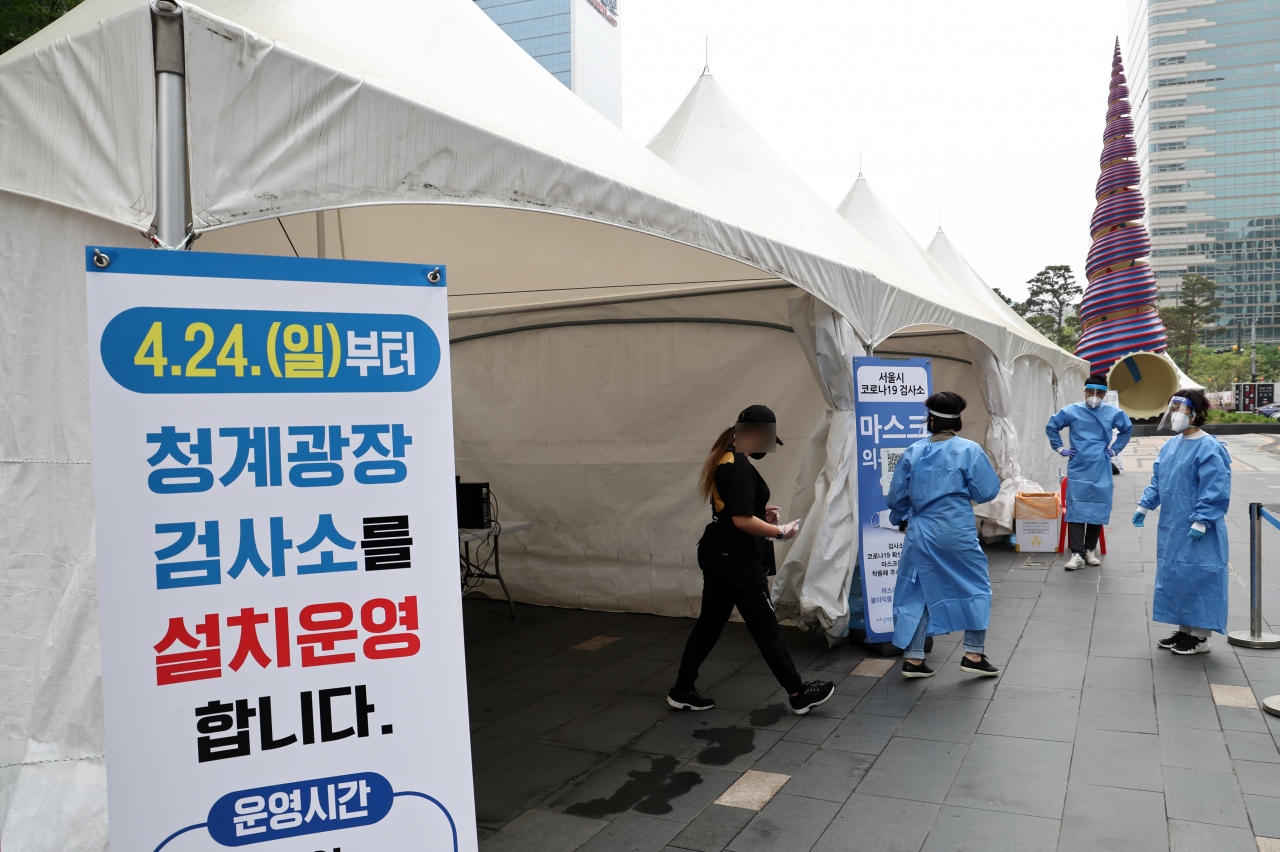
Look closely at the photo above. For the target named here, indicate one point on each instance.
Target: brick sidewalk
(1091, 739)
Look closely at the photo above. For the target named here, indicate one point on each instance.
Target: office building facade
(1204, 78)
(576, 40)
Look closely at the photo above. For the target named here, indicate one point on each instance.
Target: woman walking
(735, 554)
(943, 583)
(1191, 486)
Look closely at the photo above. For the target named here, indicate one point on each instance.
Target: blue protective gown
(942, 565)
(1089, 473)
(1191, 481)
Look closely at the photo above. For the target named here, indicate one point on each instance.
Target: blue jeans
(974, 640)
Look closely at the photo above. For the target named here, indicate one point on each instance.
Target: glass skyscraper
(576, 40)
(1204, 78)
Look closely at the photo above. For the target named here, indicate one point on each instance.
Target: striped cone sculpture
(1118, 310)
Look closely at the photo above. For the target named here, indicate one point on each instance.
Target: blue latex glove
(1069, 452)
(1194, 533)
(1111, 453)
(1139, 519)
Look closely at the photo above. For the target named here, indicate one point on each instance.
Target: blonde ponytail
(708, 479)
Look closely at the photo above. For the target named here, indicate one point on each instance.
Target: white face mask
(1179, 421)
(1093, 401)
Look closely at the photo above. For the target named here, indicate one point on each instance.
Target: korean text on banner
(891, 417)
(280, 609)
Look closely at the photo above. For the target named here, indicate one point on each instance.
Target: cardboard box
(1036, 535)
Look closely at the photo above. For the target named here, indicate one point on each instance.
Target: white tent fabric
(416, 147)
(1031, 375)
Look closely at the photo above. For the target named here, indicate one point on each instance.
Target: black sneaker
(982, 667)
(811, 695)
(1169, 641)
(1188, 644)
(913, 668)
(688, 699)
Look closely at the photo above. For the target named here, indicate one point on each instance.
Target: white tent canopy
(604, 306)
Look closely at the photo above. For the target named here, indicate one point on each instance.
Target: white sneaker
(1076, 561)
(1090, 559)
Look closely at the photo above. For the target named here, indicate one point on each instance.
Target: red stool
(1062, 526)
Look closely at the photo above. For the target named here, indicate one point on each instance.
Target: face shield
(1094, 395)
(755, 439)
(1178, 415)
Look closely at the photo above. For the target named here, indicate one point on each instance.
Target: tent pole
(171, 125)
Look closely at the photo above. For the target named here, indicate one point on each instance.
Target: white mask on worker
(1093, 401)
(1179, 422)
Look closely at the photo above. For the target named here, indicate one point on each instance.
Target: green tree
(1194, 311)
(1218, 372)
(1054, 293)
(1268, 362)
(21, 19)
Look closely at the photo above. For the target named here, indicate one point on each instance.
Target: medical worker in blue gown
(1089, 465)
(1191, 486)
(943, 584)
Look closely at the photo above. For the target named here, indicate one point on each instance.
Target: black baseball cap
(759, 414)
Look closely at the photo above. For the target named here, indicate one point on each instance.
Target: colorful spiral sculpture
(1118, 310)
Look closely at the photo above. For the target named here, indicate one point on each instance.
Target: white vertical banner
(282, 648)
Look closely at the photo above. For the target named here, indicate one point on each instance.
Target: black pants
(719, 597)
(1083, 537)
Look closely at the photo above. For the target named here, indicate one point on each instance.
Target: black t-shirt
(739, 490)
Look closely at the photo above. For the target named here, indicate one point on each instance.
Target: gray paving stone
(1013, 775)
(621, 675)
(613, 724)
(812, 729)
(1119, 585)
(968, 828)
(652, 785)
(676, 735)
(1032, 712)
(1053, 669)
(1186, 711)
(521, 779)
(1051, 636)
(1005, 627)
(1242, 719)
(776, 716)
(786, 757)
(1108, 643)
(746, 691)
(950, 682)
(1019, 607)
(1121, 603)
(734, 748)
(1198, 837)
(1190, 748)
(948, 719)
(1112, 818)
(920, 770)
(556, 709)
(787, 824)
(892, 699)
(1118, 673)
(837, 707)
(632, 833)
(712, 830)
(1117, 759)
(866, 733)
(876, 824)
(1199, 796)
(1245, 745)
(1258, 779)
(829, 774)
(1264, 812)
(495, 742)
(1117, 710)
(539, 830)
(1182, 681)
(1074, 610)
(1018, 589)
(856, 685)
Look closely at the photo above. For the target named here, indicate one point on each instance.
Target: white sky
(988, 112)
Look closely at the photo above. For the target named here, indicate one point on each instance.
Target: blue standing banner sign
(889, 403)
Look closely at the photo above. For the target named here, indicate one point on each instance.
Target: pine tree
(1194, 311)
(1053, 294)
